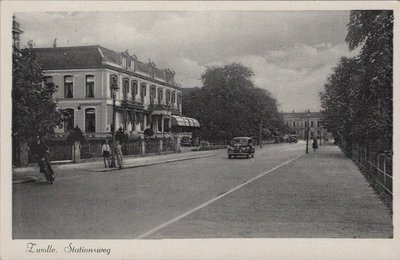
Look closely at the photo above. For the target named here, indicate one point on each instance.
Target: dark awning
(184, 121)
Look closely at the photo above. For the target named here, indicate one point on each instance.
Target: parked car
(185, 141)
(293, 139)
(241, 146)
(279, 138)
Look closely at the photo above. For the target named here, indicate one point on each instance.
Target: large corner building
(148, 96)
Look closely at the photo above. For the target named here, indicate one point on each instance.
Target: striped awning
(184, 121)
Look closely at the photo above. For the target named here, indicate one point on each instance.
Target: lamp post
(114, 88)
(261, 134)
(308, 128)
(320, 135)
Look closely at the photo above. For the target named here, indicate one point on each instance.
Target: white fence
(377, 166)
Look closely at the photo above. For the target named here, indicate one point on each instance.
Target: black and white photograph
(199, 130)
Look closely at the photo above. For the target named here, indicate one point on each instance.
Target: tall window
(90, 120)
(69, 123)
(160, 95)
(68, 87)
(126, 89)
(141, 120)
(90, 86)
(179, 100)
(318, 123)
(142, 91)
(168, 96)
(173, 98)
(113, 82)
(159, 123)
(152, 94)
(312, 123)
(294, 124)
(305, 124)
(48, 81)
(134, 89)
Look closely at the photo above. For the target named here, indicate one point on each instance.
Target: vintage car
(185, 141)
(241, 146)
(293, 139)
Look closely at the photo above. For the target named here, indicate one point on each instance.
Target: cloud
(291, 52)
(295, 75)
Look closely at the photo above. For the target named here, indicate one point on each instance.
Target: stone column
(76, 152)
(143, 146)
(160, 146)
(178, 143)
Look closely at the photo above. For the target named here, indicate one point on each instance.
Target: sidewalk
(31, 173)
(342, 199)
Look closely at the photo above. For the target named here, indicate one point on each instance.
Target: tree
(76, 135)
(358, 97)
(34, 111)
(121, 136)
(229, 104)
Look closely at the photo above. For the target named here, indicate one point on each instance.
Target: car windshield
(240, 141)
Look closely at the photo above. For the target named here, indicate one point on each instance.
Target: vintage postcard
(199, 130)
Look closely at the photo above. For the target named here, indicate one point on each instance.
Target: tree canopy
(358, 97)
(34, 111)
(229, 104)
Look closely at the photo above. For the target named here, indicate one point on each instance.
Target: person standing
(118, 153)
(315, 144)
(105, 150)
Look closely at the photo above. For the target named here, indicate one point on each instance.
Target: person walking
(118, 153)
(315, 144)
(105, 150)
(41, 151)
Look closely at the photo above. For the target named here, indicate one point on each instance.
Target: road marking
(154, 230)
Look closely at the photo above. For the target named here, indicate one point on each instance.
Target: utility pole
(261, 134)
(308, 128)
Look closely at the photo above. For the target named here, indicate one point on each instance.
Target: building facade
(298, 124)
(147, 96)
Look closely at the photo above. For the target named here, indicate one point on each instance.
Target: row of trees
(358, 96)
(229, 105)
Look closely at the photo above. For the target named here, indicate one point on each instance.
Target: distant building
(297, 122)
(16, 31)
(148, 97)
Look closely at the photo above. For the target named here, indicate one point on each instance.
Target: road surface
(282, 192)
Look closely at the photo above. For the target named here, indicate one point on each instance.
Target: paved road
(268, 196)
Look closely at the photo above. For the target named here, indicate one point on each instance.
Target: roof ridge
(68, 47)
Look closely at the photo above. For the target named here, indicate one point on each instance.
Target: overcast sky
(291, 53)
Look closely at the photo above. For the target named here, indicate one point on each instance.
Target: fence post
(378, 164)
(76, 152)
(384, 170)
(143, 146)
(160, 146)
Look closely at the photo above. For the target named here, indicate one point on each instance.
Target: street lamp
(308, 128)
(261, 133)
(114, 88)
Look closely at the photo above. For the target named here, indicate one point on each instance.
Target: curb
(154, 163)
(27, 179)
